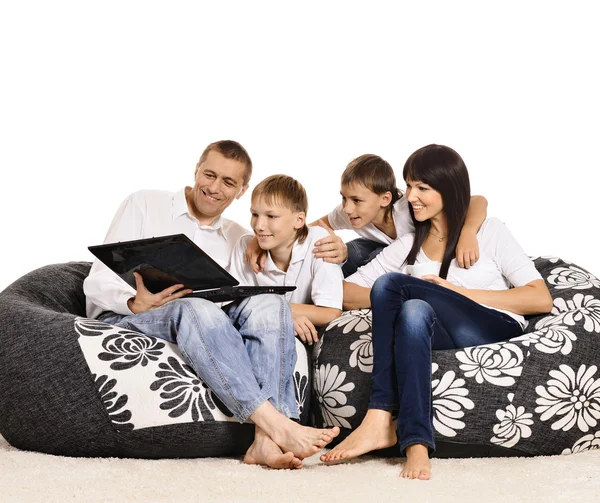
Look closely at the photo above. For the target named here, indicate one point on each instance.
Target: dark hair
(230, 150)
(283, 190)
(442, 169)
(374, 173)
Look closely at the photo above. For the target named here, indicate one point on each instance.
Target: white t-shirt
(400, 213)
(317, 282)
(502, 263)
(146, 214)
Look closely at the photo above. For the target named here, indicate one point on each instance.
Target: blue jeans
(360, 252)
(245, 352)
(411, 317)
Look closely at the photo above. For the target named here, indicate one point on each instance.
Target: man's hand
(467, 249)
(145, 300)
(331, 248)
(255, 256)
(305, 330)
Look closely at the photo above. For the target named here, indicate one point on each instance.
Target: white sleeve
(390, 259)
(326, 288)
(402, 219)
(512, 261)
(338, 219)
(238, 267)
(103, 287)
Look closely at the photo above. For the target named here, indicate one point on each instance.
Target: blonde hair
(283, 190)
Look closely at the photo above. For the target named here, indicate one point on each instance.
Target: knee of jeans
(416, 318)
(382, 286)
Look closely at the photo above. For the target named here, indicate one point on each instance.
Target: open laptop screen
(164, 261)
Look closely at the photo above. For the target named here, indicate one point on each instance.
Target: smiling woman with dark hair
(453, 308)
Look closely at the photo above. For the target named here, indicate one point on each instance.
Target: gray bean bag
(538, 394)
(79, 387)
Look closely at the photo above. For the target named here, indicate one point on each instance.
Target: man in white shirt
(244, 352)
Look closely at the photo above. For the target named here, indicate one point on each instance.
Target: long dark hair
(442, 169)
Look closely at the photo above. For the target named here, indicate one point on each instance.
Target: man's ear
(243, 191)
(386, 199)
(300, 220)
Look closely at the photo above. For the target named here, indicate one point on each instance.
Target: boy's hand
(467, 249)
(331, 248)
(145, 300)
(255, 256)
(305, 330)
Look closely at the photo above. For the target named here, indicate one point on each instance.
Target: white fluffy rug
(28, 476)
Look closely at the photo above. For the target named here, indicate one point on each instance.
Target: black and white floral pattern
(538, 393)
(151, 377)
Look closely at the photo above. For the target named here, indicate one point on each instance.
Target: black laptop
(169, 260)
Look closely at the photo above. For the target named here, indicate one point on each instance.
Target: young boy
(279, 205)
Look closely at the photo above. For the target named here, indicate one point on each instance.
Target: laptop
(169, 260)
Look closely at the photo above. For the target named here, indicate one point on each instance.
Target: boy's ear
(244, 189)
(300, 220)
(386, 199)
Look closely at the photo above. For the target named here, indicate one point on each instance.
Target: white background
(100, 99)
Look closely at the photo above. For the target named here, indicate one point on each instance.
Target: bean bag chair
(537, 394)
(79, 387)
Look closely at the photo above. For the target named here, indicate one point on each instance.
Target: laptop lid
(162, 262)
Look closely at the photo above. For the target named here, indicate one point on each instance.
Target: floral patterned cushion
(537, 394)
(144, 382)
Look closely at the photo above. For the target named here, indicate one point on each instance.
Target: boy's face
(275, 226)
(362, 205)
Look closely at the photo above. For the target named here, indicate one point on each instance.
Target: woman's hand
(331, 248)
(255, 256)
(145, 300)
(467, 249)
(305, 330)
(436, 280)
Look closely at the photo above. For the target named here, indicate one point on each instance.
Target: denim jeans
(360, 252)
(411, 317)
(245, 352)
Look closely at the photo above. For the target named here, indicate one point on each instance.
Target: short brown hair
(230, 150)
(374, 173)
(283, 190)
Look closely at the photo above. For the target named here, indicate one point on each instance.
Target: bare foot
(302, 441)
(375, 432)
(264, 451)
(418, 465)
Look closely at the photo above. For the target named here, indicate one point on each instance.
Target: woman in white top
(452, 308)
(279, 205)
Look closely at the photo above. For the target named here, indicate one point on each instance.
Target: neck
(439, 226)
(202, 219)
(385, 223)
(282, 255)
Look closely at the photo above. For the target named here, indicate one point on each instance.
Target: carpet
(33, 477)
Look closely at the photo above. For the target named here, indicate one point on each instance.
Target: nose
(411, 196)
(348, 207)
(214, 186)
(259, 223)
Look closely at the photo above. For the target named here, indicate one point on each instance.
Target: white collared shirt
(502, 262)
(146, 214)
(317, 282)
(400, 213)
